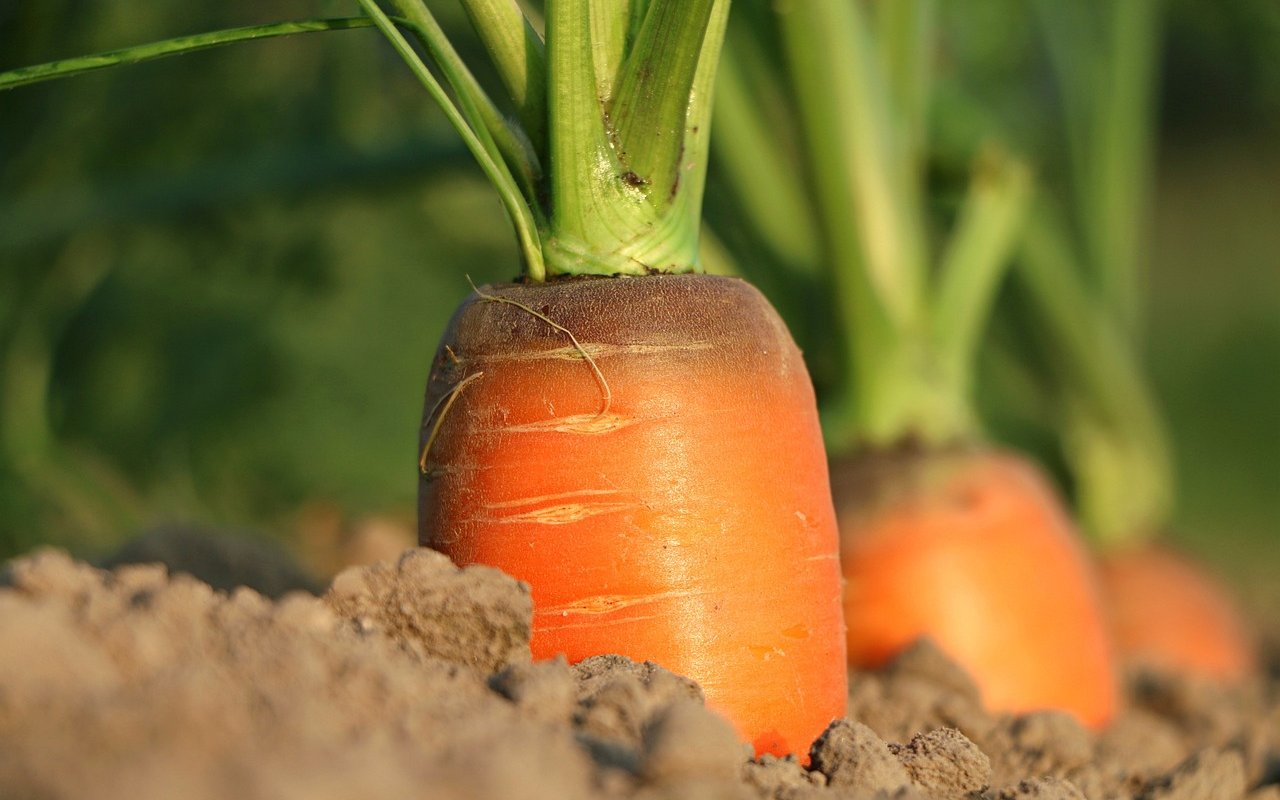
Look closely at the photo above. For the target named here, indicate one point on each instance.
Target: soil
(412, 678)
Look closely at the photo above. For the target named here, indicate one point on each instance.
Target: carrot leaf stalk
(1114, 437)
(69, 67)
(604, 172)
(1081, 268)
(911, 328)
(518, 53)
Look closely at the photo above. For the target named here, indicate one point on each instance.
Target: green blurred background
(222, 276)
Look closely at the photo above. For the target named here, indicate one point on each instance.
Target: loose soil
(412, 678)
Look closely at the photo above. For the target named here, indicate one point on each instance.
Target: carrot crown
(909, 314)
(602, 167)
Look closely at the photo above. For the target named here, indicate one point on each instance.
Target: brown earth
(413, 679)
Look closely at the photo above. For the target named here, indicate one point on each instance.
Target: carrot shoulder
(659, 480)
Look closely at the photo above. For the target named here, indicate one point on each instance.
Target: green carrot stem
(650, 108)
(975, 262)
(621, 205)
(591, 199)
(477, 140)
(849, 127)
(764, 179)
(1116, 441)
(508, 143)
(1122, 154)
(1106, 68)
(905, 31)
(613, 29)
(66, 68)
(521, 60)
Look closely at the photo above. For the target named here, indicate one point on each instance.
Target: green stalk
(769, 189)
(504, 142)
(1122, 158)
(520, 57)
(621, 175)
(910, 333)
(1115, 440)
(1113, 434)
(846, 110)
(906, 33)
(587, 188)
(1108, 111)
(621, 205)
(477, 140)
(975, 262)
(67, 67)
(651, 106)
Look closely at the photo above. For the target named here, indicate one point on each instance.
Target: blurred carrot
(963, 535)
(1168, 612)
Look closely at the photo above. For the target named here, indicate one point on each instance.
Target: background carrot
(1168, 612)
(941, 536)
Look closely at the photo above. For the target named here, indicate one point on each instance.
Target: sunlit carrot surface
(669, 504)
(1167, 611)
(972, 549)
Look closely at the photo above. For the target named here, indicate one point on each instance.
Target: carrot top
(602, 167)
(603, 172)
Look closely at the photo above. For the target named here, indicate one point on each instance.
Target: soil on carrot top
(413, 678)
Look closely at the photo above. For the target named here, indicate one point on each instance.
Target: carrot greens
(602, 168)
(909, 309)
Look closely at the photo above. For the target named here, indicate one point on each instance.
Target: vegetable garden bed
(414, 679)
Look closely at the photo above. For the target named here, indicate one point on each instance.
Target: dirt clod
(944, 764)
(476, 616)
(1041, 789)
(854, 759)
(1207, 775)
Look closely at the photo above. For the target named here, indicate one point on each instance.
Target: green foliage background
(222, 276)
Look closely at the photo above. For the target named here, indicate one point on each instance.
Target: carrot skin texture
(682, 516)
(1168, 612)
(973, 550)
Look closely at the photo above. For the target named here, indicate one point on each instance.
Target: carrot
(1167, 612)
(941, 536)
(658, 479)
(960, 537)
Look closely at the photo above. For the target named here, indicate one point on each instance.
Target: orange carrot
(1168, 612)
(972, 549)
(645, 453)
